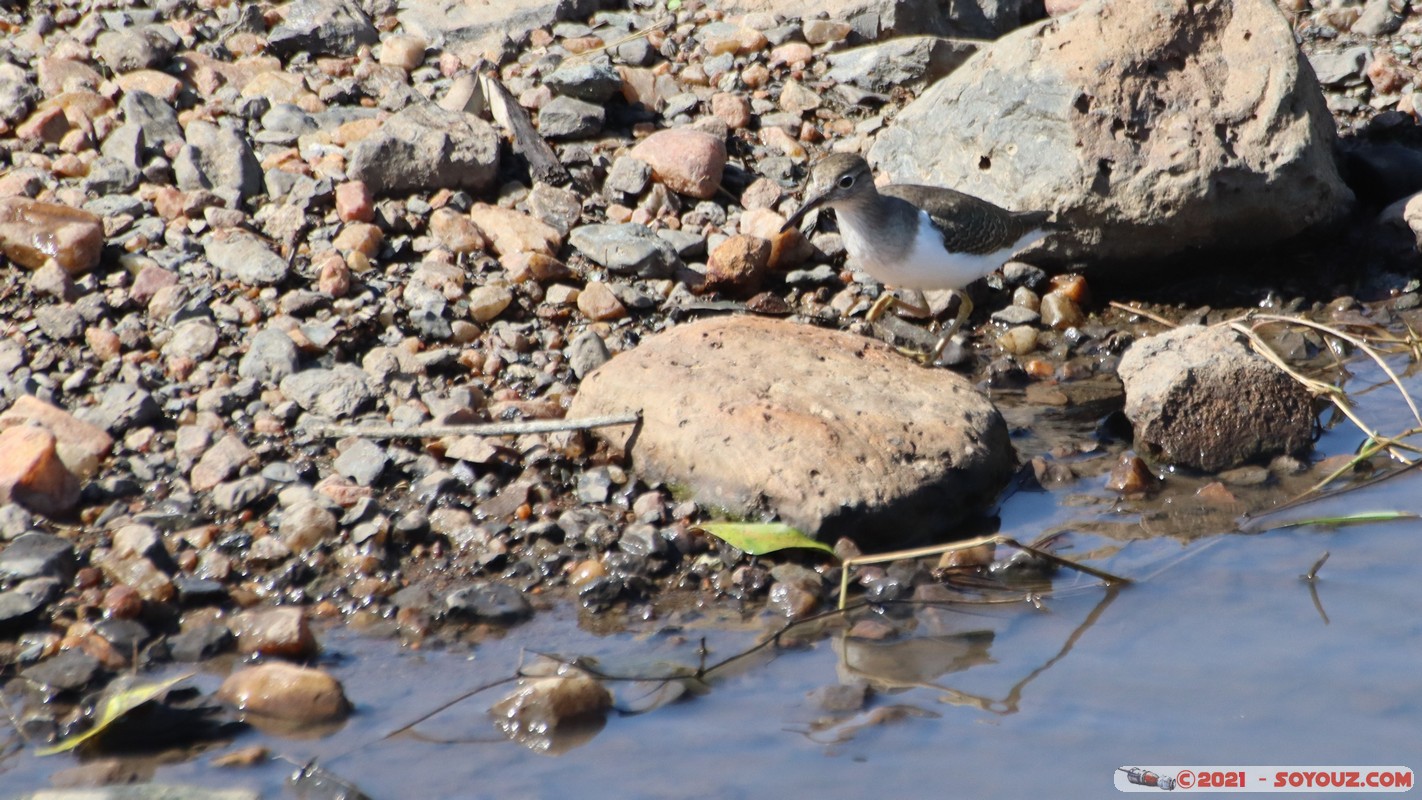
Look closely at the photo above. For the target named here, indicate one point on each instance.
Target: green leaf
(759, 538)
(118, 703)
(673, 5)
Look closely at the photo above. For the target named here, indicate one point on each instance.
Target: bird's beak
(812, 201)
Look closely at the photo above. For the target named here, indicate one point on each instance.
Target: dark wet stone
(18, 611)
(123, 406)
(587, 353)
(887, 589)
(600, 592)
(642, 540)
(489, 602)
(199, 591)
(330, 27)
(201, 643)
(37, 555)
(590, 82)
(70, 670)
(126, 635)
(1016, 273)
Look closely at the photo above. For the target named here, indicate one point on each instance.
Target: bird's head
(834, 180)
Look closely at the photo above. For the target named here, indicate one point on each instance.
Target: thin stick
(1317, 565)
(483, 429)
(1142, 312)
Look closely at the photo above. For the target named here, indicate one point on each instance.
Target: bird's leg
(965, 308)
(887, 300)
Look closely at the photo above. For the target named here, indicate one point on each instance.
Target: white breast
(925, 264)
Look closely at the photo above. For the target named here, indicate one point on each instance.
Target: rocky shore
(227, 226)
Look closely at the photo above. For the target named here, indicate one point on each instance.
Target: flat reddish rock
(31, 473)
(834, 433)
(32, 232)
(685, 160)
(82, 446)
(514, 232)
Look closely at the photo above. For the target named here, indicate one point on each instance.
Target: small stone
(1019, 340)
(69, 671)
(293, 694)
(738, 265)
(32, 474)
(123, 406)
(306, 526)
(246, 258)
(201, 643)
(796, 98)
(37, 555)
(354, 202)
(282, 632)
(337, 392)
(820, 31)
(1131, 476)
(425, 147)
(32, 232)
(514, 232)
(456, 231)
(221, 462)
(587, 81)
(488, 302)
(587, 353)
(404, 52)
(499, 603)
(628, 176)
(626, 249)
(732, 109)
(1060, 312)
(570, 118)
(686, 160)
(326, 27)
(599, 304)
(362, 461)
(271, 356)
(80, 445)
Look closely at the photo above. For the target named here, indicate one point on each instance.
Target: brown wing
(970, 224)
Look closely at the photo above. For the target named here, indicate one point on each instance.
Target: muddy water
(1219, 654)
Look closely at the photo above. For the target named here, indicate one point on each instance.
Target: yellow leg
(881, 305)
(965, 309)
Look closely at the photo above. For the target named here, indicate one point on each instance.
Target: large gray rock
(494, 24)
(1199, 397)
(1152, 127)
(882, 19)
(834, 433)
(427, 147)
(330, 27)
(898, 62)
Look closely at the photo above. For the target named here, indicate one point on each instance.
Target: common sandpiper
(917, 237)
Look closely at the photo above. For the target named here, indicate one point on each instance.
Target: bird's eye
(846, 182)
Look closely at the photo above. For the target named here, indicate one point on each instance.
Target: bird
(917, 237)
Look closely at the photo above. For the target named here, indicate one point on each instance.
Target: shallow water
(1219, 654)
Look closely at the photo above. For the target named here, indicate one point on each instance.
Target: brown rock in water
(32, 473)
(685, 160)
(835, 433)
(1199, 397)
(737, 266)
(82, 446)
(1131, 476)
(285, 692)
(32, 232)
(274, 632)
